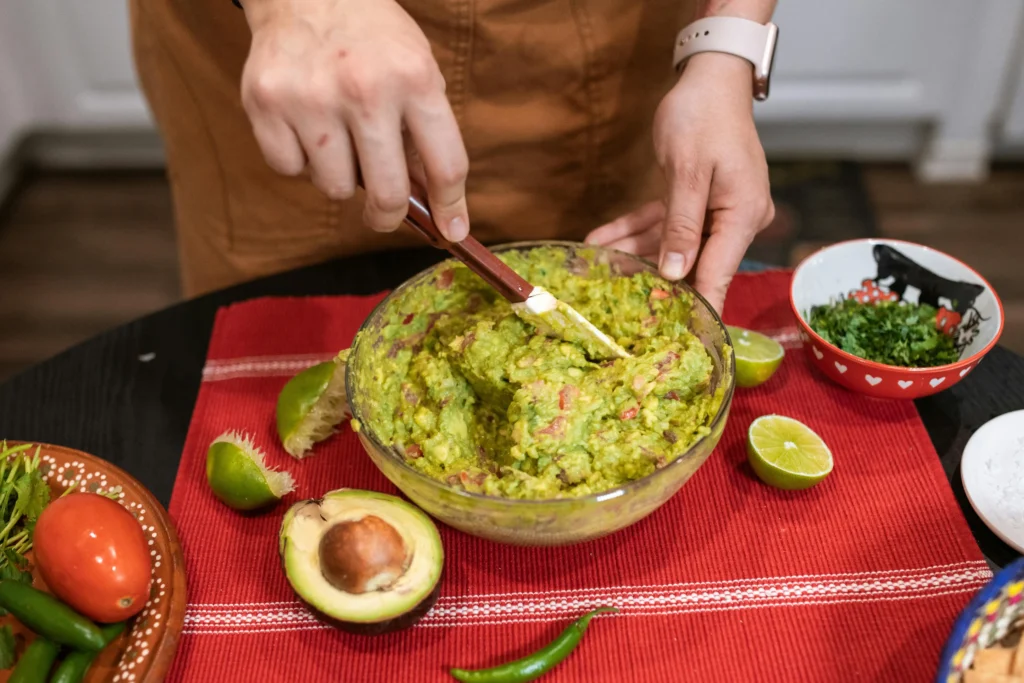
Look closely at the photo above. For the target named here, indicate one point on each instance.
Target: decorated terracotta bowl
(989, 621)
(872, 270)
(143, 653)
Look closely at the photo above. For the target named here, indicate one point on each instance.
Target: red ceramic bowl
(874, 269)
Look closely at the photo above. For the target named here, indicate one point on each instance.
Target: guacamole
(472, 395)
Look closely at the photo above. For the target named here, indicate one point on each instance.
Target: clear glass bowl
(560, 521)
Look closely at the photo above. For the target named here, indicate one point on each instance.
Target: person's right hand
(330, 81)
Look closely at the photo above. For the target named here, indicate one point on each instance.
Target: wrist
(723, 71)
(755, 10)
(259, 13)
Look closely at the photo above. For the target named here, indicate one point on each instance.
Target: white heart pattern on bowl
(873, 381)
(905, 383)
(966, 370)
(817, 354)
(840, 367)
(937, 381)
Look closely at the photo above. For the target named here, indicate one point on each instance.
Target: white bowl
(992, 470)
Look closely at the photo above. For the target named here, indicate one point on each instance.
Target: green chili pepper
(534, 666)
(49, 617)
(76, 664)
(35, 662)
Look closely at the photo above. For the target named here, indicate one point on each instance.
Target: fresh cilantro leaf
(10, 572)
(893, 333)
(15, 567)
(22, 491)
(38, 496)
(33, 495)
(7, 647)
(24, 494)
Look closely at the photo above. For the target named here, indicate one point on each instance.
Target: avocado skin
(398, 623)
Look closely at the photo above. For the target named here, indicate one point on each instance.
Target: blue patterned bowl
(986, 620)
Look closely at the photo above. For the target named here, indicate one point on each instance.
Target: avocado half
(364, 562)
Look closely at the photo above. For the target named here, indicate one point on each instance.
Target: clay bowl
(143, 654)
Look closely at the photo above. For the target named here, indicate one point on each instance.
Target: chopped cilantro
(23, 495)
(889, 332)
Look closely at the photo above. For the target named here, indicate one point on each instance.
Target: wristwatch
(750, 40)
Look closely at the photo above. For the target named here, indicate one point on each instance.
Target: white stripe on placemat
(287, 365)
(261, 366)
(451, 611)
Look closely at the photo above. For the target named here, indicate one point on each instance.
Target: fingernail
(457, 229)
(672, 266)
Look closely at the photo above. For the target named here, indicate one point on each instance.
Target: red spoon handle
(476, 256)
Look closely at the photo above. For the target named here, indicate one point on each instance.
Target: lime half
(757, 356)
(311, 405)
(239, 477)
(786, 453)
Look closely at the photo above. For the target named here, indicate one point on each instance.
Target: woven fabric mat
(859, 578)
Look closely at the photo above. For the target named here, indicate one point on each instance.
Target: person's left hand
(707, 146)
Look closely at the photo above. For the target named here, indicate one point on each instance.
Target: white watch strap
(750, 40)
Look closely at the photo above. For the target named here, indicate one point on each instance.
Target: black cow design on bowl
(954, 299)
(905, 271)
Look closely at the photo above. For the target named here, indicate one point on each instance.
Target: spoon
(535, 305)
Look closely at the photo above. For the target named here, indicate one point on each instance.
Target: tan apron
(555, 99)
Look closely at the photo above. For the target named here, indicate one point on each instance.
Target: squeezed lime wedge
(757, 356)
(238, 474)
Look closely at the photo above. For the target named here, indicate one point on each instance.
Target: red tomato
(93, 555)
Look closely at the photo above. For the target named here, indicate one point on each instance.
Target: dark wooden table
(127, 395)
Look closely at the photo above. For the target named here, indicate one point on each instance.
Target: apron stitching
(586, 34)
(462, 46)
(206, 127)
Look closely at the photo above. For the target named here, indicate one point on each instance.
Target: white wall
(965, 133)
(863, 60)
(81, 68)
(1012, 118)
(15, 114)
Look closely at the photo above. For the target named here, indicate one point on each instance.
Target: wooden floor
(82, 253)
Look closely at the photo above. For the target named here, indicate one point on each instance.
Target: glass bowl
(559, 521)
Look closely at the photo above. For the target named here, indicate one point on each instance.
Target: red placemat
(858, 579)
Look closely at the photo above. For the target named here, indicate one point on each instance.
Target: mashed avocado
(472, 395)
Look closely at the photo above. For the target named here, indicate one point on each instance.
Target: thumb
(684, 222)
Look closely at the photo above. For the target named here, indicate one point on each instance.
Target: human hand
(707, 146)
(328, 82)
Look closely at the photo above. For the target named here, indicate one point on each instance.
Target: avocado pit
(363, 555)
